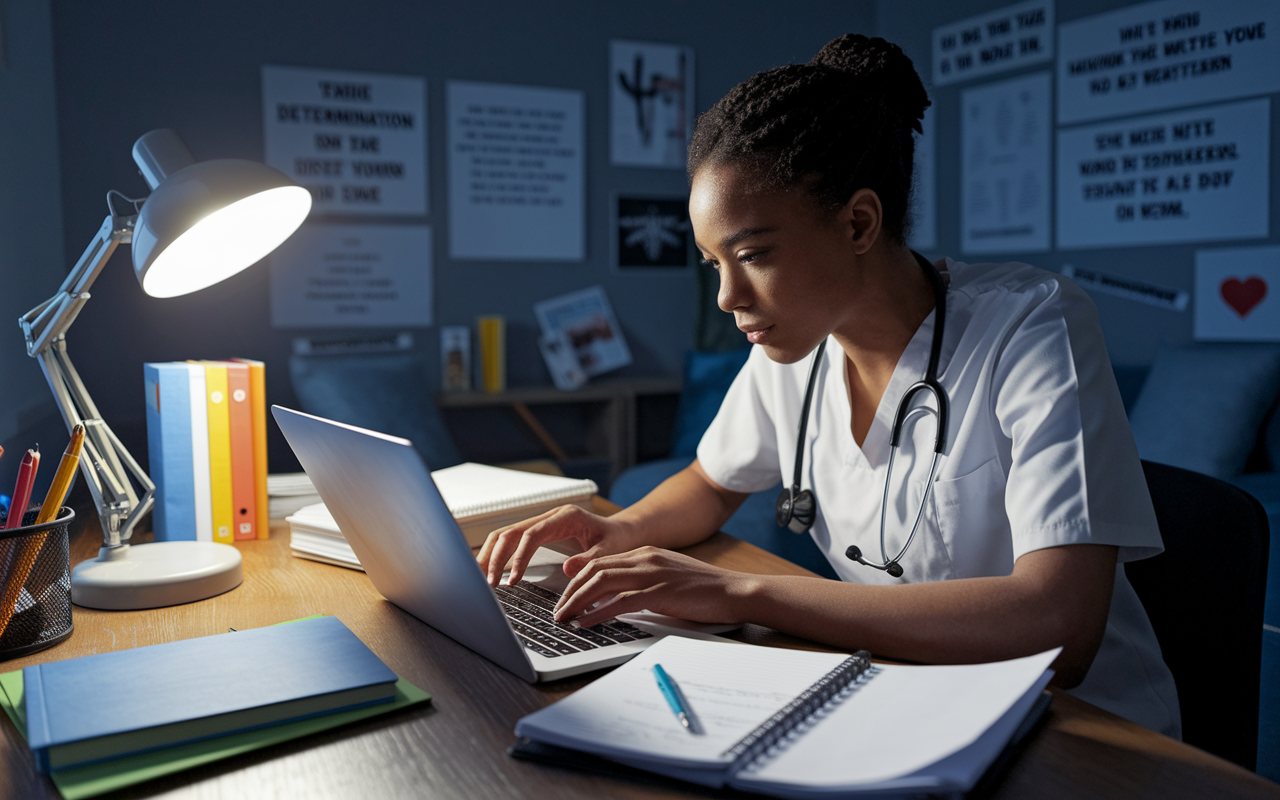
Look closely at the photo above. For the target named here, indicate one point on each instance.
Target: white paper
(924, 204)
(651, 108)
(587, 319)
(626, 714)
(1138, 291)
(1237, 294)
(515, 172)
(358, 141)
(1166, 54)
(1004, 166)
(1201, 174)
(1014, 36)
(351, 276)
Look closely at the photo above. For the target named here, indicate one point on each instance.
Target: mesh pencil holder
(35, 585)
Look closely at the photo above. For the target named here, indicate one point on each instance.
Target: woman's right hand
(513, 546)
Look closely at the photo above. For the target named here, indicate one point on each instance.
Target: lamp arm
(107, 466)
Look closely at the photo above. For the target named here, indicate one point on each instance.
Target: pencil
(29, 550)
(63, 477)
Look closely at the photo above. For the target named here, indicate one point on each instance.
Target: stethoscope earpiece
(796, 510)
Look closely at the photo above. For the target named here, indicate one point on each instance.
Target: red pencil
(22, 491)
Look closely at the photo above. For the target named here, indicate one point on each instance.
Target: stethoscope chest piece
(795, 510)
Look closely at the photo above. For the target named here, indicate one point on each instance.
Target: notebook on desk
(383, 499)
(799, 724)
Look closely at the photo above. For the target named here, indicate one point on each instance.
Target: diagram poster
(357, 141)
(1015, 36)
(1238, 294)
(1004, 166)
(1166, 54)
(1190, 176)
(352, 276)
(923, 234)
(650, 104)
(515, 172)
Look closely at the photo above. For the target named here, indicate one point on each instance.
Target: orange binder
(243, 502)
(258, 406)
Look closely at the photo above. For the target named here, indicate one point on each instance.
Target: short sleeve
(1074, 475)
(740, 449)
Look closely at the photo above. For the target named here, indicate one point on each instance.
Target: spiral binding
(794, 713)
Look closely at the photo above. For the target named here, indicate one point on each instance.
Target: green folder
(91, 780)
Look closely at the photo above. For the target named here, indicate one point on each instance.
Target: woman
(800, 183)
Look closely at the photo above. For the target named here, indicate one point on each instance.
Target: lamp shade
(209, 220)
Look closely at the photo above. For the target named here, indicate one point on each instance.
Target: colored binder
(240, 413)
(258, 406)
(169, 447)
(219, 452)
(199, 406)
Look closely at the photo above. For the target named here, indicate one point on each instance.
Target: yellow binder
(220, 452)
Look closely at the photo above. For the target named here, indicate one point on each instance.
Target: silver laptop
(381, 495)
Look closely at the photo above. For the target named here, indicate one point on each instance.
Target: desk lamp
(204, 222)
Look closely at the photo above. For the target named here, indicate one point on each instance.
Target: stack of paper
(481, 498)
(288, 492)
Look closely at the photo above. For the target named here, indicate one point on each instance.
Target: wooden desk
(455, 748)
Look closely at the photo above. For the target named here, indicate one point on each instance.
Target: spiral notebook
(799, 724)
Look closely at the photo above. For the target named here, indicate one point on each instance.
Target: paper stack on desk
(481, 498)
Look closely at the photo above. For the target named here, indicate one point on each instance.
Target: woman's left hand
(650, 578)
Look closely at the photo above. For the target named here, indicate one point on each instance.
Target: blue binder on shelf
(169, 448)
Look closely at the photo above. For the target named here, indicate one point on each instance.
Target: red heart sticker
(1243, 296)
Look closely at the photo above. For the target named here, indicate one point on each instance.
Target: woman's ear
(863, 216)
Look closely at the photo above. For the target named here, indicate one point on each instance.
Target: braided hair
(840, 123)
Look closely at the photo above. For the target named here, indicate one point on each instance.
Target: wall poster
(651, 108)
(1166, 54)
(1238, 294)
(1197, 175)
(1014, 36)
(651, 232)
(1004, 166)
(357, 141)
(352, 276)
(515, 172)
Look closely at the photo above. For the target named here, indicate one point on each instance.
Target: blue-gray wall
(1133, 330)
(195, 68)
(31, 252)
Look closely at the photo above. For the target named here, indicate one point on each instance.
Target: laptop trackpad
(545, 570)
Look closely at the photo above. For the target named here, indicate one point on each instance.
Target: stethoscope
(796, 509)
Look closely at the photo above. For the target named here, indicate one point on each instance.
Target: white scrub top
(1038, 454)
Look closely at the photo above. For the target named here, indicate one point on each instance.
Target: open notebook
(481, 498)
(800, 724)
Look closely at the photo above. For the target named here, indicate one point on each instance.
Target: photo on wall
(651, 232)
(586, 320)
(650, 103)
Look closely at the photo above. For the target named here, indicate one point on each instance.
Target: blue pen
(669, 691)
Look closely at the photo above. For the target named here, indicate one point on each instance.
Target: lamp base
(155, 575)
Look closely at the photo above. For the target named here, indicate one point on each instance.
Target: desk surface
(455, 748)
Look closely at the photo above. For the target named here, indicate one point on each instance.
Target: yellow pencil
(27, 552)
(62, 478)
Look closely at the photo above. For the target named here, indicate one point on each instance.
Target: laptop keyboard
(529, 608)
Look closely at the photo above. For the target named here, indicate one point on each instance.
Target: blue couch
(1205, 407)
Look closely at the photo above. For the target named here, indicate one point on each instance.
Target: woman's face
(787, 267)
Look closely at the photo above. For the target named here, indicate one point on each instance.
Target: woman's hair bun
(880, 67)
